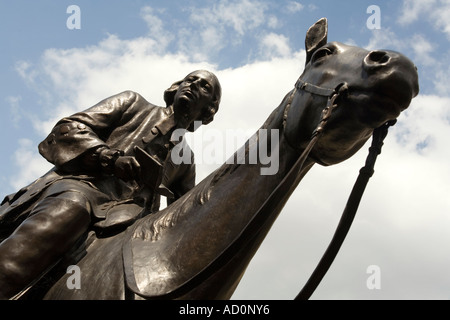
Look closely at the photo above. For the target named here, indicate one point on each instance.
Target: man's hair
(169, 94)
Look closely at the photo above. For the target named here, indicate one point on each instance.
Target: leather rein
(358, 189)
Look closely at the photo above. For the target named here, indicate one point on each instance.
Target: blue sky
(256, 49)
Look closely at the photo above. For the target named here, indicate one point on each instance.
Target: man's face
(194, 99)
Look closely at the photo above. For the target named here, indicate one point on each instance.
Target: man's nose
(195, 83)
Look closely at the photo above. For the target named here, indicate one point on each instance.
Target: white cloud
(221, 25)
(273, 22)
(312, 7)
(423, 125)
(238, 15)
(22, 68)
(275, 45)
(242, 15)
(156, 27)
(294, 6)
(25, 70)
(435, 12)
(385, 39)
(14, 108)
(441, 80)
(30, 163)
(412, 9)
(423, 50)
(441, 15)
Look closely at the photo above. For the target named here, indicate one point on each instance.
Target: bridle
(331, 94)
(358, 189)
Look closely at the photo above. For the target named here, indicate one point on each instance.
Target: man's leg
(52, 228)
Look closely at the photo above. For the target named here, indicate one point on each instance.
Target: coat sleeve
(85, 131)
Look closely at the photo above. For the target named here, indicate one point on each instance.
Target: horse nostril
(377, 57)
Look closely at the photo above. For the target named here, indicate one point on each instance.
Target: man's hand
(127, 168)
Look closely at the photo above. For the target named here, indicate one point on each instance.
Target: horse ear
(316, 37)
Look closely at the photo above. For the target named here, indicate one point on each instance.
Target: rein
(379, 134)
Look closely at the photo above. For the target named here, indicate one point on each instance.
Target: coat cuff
(107, 158)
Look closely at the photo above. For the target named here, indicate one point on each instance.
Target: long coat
(122, 122)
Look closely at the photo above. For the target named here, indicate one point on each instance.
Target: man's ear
(316, 37)
(169, 94)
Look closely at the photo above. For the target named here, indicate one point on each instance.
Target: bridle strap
(356, 194)
(311, 88)
(331, 94)
(348, 215)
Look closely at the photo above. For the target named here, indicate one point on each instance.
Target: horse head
(379, 85)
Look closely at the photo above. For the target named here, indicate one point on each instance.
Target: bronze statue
(97, 182)
(200, 245)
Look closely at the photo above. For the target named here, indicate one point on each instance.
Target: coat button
(149, 138)
(81, 126)
(146, 139)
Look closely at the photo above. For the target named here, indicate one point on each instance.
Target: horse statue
(199, 246)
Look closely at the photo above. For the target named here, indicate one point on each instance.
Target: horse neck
(222, 220)
(231, 196)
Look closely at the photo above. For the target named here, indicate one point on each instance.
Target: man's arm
(80, 139)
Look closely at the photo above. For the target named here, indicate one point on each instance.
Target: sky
(55, 64)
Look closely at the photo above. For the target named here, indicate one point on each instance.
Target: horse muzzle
(393, 75)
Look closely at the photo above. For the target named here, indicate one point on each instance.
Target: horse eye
(321, 54)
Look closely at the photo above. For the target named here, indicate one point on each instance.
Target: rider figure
(94, 184)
